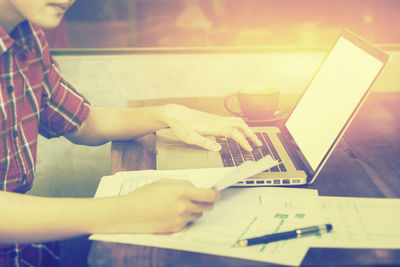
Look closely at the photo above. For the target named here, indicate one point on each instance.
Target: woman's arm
(164, 206)
(191, 126)
(105, 124)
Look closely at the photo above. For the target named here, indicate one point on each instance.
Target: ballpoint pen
(313, 230)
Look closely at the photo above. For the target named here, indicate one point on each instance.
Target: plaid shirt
(34, 99)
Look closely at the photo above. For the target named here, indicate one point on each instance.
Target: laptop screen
(331, 98)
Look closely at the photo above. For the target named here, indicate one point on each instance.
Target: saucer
(276, 117)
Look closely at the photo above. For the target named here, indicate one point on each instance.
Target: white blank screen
(332, 96)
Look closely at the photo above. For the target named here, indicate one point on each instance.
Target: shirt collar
(22, 35)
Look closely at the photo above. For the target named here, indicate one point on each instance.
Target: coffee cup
(255, 103)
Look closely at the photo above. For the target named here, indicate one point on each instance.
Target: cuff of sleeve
(59, 125)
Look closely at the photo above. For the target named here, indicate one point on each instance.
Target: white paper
(220, 178)
(247, 169)
(249, 212)
(360, 223)
(240, 213)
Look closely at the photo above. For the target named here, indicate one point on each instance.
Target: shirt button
(10, 89)
(15, 133)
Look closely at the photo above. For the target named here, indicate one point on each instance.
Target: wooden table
(366, 163)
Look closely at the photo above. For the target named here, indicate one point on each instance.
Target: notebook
(313, 128)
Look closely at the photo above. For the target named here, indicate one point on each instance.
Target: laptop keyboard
(233, 154)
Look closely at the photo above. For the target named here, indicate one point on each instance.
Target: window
(224, 23)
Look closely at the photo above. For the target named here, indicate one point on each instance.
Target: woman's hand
(164, 206)
(193, 127)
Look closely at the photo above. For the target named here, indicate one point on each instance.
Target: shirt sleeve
(63, 109)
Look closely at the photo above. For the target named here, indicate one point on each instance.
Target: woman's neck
(8, 17)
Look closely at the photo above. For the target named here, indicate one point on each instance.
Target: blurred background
(223, 23)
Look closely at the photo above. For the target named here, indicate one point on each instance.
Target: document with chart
(239, 213)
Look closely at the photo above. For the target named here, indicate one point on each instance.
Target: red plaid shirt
(34, 99)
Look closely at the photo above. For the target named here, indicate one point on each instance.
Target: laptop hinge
(293, 152)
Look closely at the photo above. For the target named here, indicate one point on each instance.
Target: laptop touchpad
(180, 150)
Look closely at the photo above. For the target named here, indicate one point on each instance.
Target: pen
(313, 230)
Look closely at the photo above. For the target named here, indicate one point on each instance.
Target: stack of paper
(248, 212)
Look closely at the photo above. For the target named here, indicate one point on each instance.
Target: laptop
(310, 133)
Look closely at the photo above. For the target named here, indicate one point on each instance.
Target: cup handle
(227, 102)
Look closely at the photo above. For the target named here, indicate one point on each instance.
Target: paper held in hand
(122, 183)
(246, 170)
